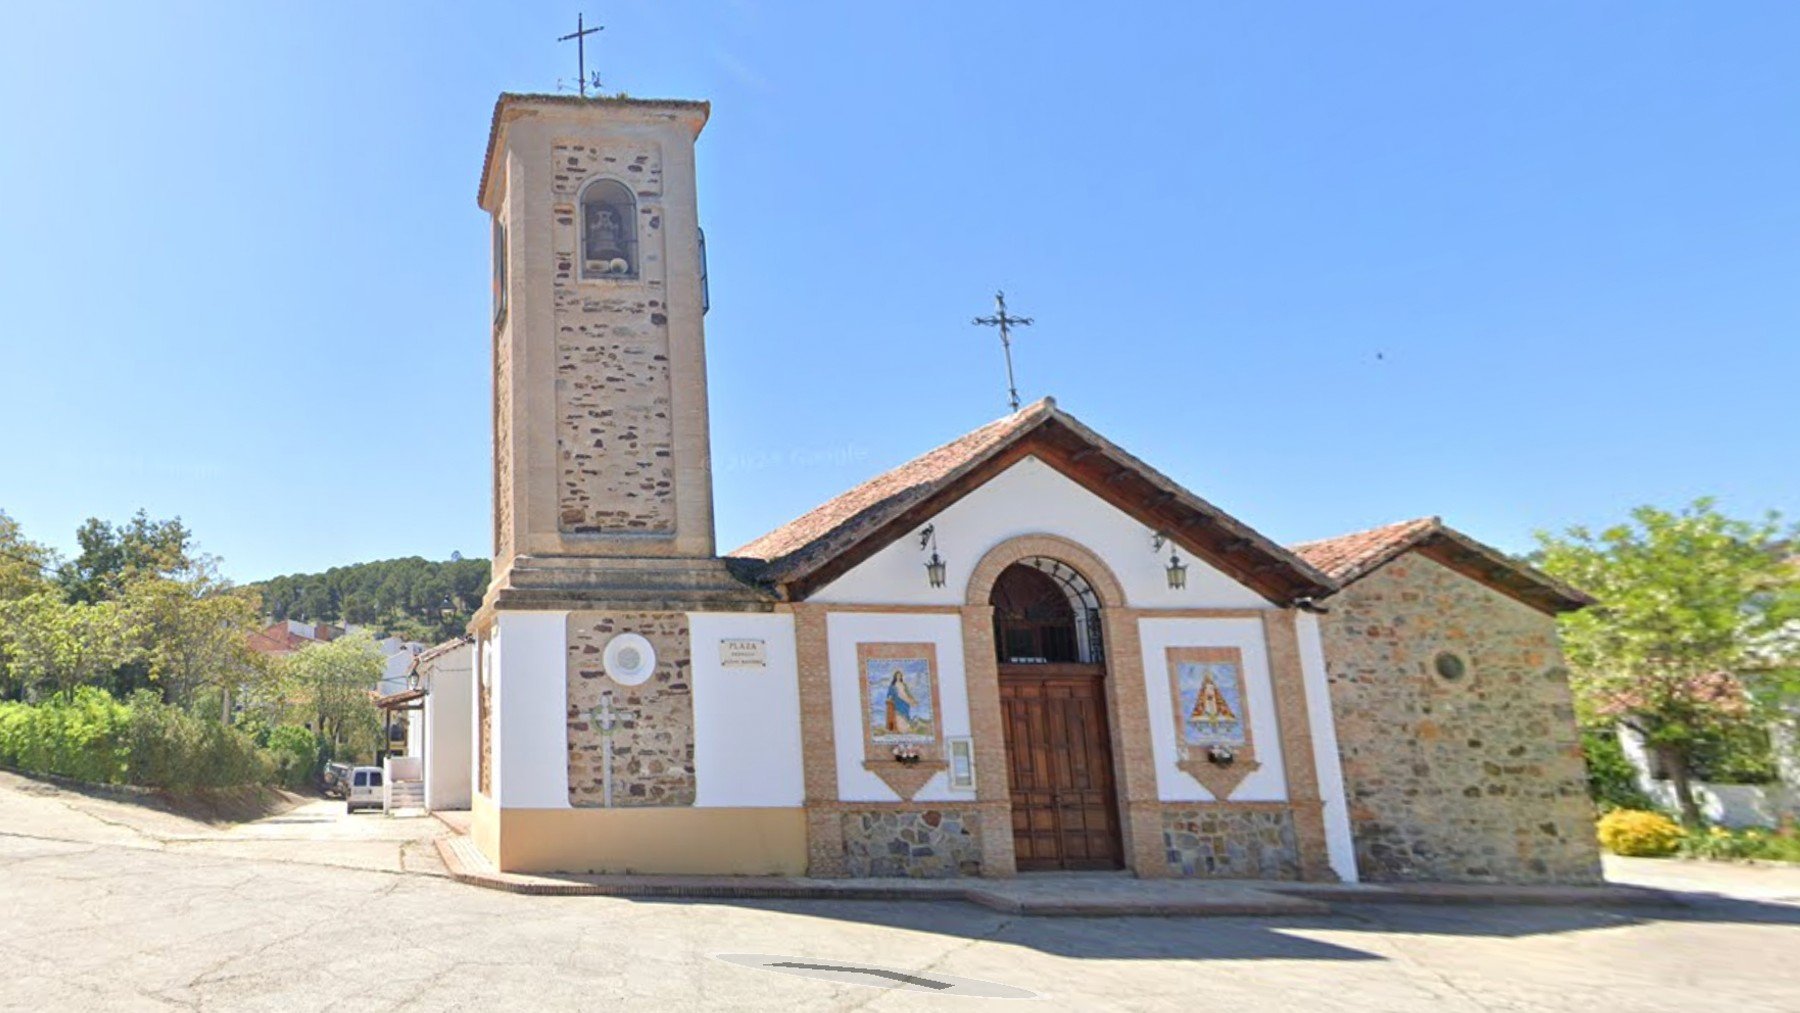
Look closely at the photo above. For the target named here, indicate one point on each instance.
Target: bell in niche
(605, 252)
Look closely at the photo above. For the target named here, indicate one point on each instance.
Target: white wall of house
(844, 630)
(443, 725)
(1730, 805)
(1028, 498)
(746, 718)
(397, 657)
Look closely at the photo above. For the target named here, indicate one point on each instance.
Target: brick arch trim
(998, 558)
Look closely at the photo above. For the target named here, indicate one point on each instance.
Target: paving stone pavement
(103, 909)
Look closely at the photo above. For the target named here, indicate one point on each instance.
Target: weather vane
(1006, 322)
(580, 35)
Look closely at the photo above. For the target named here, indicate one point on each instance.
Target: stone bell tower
(602, 470)
(604, 559)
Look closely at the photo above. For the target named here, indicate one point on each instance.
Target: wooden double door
(1065, 810)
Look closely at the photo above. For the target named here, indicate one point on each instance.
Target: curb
(468, 868)
(466, 865)
(1485, 895)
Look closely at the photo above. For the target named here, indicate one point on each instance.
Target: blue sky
(1330, 265)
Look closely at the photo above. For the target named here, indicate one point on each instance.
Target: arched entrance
(1054, 717)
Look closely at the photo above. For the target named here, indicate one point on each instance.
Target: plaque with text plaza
(743, 653)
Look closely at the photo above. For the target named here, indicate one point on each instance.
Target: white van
(363, 789)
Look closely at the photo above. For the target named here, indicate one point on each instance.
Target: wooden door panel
(1059, 758)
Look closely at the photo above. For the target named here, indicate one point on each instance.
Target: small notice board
(743, 653)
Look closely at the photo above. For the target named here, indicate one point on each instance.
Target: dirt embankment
(217, 806)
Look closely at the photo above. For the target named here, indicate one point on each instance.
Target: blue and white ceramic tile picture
(900, 700)
(1211, 697)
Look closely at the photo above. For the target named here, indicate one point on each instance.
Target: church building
(1025, 650)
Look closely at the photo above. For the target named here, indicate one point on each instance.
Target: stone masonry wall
(1231, 843)
(653, 746)
(922, 844)
(614, 431)
(504, 478)
(485, 700)
(1478, 778)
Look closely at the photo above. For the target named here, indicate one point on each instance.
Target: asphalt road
(104, 905)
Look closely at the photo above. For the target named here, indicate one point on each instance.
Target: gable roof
(431, 654)
(1349, 558)
(805, 554)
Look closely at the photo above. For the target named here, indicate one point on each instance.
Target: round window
(1450, 666)
(630, 660)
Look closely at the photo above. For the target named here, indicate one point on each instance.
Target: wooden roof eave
(1518, 580)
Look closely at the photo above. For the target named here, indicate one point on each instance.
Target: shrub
(1764, 845)
(1612, 780)
(1636, 833)
(82, 737)
(295, 752)
(93, 737)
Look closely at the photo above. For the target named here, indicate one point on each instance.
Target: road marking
(871, 976)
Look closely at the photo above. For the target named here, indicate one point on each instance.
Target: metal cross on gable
(1006, 322)
(580, 35)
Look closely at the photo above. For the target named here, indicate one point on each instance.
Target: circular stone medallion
(629, 659)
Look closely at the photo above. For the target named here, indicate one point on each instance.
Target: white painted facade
(1340, 846)
(444, 744)
(1032, 498)
(1268, 783)
(746, 718)
(530, 720)
(397, 656)
(844, 630)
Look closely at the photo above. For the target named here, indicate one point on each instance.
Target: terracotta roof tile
(1349, 558)
(837, 523)
(862, 520)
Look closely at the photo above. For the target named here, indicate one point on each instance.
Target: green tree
(1677, 647)
(412, 597)
(112, 555)
(330, 683)
(23, 563)
(52, 645)
(193, 636)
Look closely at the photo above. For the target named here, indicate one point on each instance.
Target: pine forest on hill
(414, 598)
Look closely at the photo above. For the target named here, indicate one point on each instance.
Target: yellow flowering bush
(1639, 834)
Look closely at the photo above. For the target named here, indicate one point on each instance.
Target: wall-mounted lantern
(1177, 570)
(934, 567)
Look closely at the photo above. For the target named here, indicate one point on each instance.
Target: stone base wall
(1226, 842)
(1477, 778)
(923, 844)
(653, 745)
